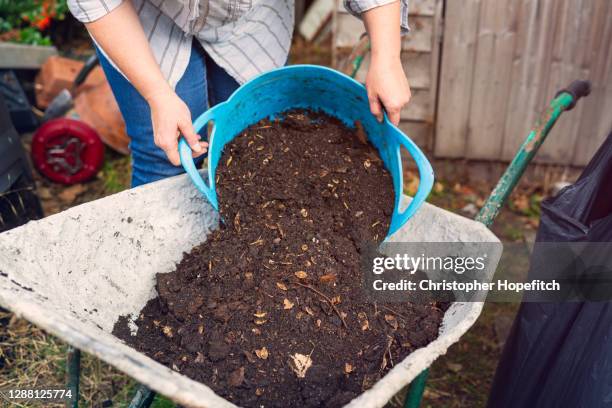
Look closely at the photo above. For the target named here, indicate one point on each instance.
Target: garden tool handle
(185, 153)
(577, 89)
(90, 64)
(426, 179)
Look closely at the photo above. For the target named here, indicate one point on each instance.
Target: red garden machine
(68, 147)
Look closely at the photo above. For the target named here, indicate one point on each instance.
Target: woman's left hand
(387, 87)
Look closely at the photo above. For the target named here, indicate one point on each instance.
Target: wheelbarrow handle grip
(188, 164)
(426, 180)
(577, 89)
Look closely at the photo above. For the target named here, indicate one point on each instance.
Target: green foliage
(162, 402)
(28, 21)
(115, 173)
(30, 35)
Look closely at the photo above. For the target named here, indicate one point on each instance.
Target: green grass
(115, 173)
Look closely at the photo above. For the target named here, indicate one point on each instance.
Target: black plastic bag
(560, 354)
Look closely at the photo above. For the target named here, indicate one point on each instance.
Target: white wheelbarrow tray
(74, 273)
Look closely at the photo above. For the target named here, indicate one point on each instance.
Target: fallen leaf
(328, 278)
(262, 353)
(256, 331)
(44, 193)
(304, 213)
(259, 392)
(454, 367)
(411, 186)
(260, 314)
(367, 164)
(301, 275)
(281, 286)
(69, 194)
(392, 321)
(300, 363)
(308, 310)
(167, 331)
(335, 300)
(236, 377)
(363, 321)
(287, 304)
(237, 221)
(304, 247)
(348, 368)
(521, 203)
(260, 321)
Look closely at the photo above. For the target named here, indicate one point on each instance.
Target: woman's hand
(387, 87)
(171, 118)
(386, 81)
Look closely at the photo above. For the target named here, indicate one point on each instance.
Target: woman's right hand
(171, 118)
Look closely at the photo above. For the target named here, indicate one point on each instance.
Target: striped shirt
(244, 37)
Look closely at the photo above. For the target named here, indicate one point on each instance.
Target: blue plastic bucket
(308, 87)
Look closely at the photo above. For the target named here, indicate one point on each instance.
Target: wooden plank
(318, 14)
(348, 30)
(516, 124)
(563, 68)
(419, 132)
(434, 68)
(422, 7)
(24, 56)
(420, 38)
(419, 107)
(491, 86)
(596, 121)
(532, 60)
(456, 77)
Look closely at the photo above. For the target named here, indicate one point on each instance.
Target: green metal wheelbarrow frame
(565, 100)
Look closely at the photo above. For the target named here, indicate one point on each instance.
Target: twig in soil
(328, 301)
(383, 364)
(394, 312)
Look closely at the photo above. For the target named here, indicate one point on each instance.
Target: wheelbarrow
(74, 273)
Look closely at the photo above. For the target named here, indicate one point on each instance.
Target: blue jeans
(203, 82)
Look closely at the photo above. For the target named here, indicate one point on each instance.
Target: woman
(166, 60)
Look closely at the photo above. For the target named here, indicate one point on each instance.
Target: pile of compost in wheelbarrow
(271, 310)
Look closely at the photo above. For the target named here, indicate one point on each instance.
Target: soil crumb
(270, 311)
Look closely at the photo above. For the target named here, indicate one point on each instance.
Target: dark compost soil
(270, 310)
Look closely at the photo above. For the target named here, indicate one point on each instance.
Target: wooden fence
(482, 70)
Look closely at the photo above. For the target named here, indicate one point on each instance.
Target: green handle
(565, 100)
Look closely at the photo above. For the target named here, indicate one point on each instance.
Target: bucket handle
(426, 180)
(187, 158)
